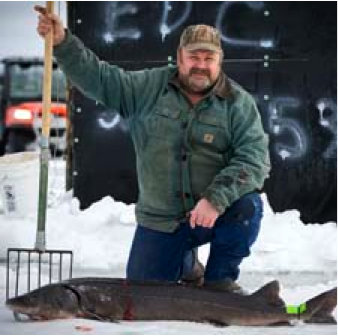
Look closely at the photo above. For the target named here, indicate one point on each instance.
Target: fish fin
(270, 292)
(319, 309)
(217, 323)
(281, 324)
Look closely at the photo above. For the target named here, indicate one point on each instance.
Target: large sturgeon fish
(113, 299)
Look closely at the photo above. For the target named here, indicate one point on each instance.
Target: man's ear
(221, 56)
(179, 56)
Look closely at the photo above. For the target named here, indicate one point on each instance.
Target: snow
(302, 257)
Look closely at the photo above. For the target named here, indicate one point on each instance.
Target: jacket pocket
(163, 123)
(210, 134)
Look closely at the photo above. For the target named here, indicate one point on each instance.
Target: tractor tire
(18, 140)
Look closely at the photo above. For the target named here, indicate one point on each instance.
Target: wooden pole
(47, 79)
(40, 243)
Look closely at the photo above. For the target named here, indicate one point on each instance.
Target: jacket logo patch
(208, 138)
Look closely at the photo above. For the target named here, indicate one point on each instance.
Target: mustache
(199, 72)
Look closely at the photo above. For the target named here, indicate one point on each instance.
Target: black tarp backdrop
(284, 53)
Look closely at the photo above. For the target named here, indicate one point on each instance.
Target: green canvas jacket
(216, 149)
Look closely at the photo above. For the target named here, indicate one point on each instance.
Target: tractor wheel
(18, 140)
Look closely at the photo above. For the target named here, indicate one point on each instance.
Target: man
(201, 151)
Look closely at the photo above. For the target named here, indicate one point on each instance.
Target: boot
(195, 277)
(225, 285)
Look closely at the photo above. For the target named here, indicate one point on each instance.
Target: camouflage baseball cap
(201, 37)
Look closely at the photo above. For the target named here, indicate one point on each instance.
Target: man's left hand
(204, 214)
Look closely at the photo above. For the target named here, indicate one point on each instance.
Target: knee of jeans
(246, 209)
(240, 224)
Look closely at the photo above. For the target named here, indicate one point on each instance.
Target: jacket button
(187, 195)
(184, 157)
(184, 124)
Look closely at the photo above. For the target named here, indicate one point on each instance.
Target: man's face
(198, 70)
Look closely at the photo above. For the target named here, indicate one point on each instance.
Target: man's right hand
(49, 21)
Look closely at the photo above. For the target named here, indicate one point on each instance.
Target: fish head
(46, 303)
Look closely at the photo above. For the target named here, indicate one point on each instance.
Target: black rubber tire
(17, 140)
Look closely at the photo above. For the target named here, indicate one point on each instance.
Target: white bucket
(19, 183)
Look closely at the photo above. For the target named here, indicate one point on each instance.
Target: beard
(196, 84)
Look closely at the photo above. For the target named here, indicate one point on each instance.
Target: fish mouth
(22, 313)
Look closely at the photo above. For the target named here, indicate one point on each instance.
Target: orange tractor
(21, 106)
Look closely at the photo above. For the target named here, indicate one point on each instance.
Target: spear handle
(40, 243)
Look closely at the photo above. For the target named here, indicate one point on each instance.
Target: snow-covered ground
(302, 257)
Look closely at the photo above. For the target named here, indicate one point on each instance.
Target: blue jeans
(166, 256)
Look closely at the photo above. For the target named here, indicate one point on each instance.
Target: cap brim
(202, 46)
